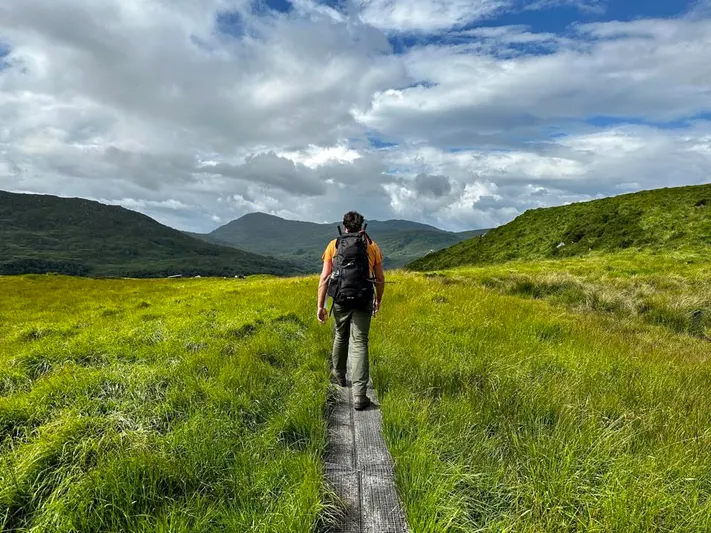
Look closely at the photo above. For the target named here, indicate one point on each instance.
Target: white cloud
(512, 35)
(144, 103)
(589, 6)
(434, 16)
(700, 144)
(652, 69)
(312, 8)
(426, 15)
(291, 83)
(317, 156)
(486, 188)
(138, 204)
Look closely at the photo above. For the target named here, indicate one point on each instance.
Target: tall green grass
(508, 414)
(671, 289)
(171, 405)
(198, 405)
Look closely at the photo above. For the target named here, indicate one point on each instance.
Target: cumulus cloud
(434, 186)
(154, 62)
(426, 15)
(103, 95)
(655, 70)
(199, 111)
(490, 186)
(273, 170)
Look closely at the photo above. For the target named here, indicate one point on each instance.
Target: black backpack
(350, 284)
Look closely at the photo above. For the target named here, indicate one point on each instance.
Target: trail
(360, 469)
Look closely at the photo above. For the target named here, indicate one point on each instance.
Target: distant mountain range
(303, 243)
(665, 220)
(43, 233)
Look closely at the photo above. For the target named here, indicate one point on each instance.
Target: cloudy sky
(459, 113)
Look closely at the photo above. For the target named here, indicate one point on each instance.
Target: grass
(672, 289)
(508, 414)
(510, 401)
(171, 405)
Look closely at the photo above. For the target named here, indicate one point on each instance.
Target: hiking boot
(338, 380)
(361, 402)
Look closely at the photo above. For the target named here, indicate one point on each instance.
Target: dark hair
(353, 221)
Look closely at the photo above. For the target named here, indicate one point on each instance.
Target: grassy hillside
(304, 242)
(663, 219)
(198, 405)
(42, 233)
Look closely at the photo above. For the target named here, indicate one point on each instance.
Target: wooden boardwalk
(360, 470)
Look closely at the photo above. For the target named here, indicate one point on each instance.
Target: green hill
(43, 233)
(662, 219)
(303, 242)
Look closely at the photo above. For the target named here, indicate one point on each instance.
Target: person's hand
(322, 315)
(376, 307)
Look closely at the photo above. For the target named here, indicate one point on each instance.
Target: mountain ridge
(303, 242)
(392, 222)
(46, 233)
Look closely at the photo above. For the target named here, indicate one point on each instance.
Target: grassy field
(198, 405)
(173, 405)
(509, 414)
(671, 289)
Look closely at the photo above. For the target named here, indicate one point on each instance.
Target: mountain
(662, 219)
(43, 233)
(303, 242)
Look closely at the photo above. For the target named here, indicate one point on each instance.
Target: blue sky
(281, 6)
(557, 19)
(552, 19)
(457, 113)
(602, 121)
(554, 16)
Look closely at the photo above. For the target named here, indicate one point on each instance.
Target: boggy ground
(160, 405)
(543, 413)
(198, 405)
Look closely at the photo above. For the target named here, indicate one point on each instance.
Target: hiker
(353, 276)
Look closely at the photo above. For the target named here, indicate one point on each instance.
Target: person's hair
(353, 221)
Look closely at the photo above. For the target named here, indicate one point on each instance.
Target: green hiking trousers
(352, 328)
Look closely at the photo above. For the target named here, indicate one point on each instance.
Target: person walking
(353, 277)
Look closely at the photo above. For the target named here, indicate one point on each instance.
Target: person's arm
(322, 288)
(379, 285)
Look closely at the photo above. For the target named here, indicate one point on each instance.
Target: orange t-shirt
(375, 256)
